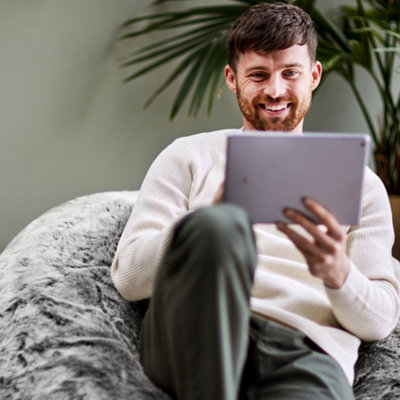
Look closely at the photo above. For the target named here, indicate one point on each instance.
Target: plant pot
(395, 204)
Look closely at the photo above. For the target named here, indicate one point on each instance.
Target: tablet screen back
(266, 173)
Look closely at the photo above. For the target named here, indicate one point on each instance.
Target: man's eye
(290, 73)
(258, 75)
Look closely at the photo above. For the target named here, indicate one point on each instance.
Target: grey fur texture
(66, 334)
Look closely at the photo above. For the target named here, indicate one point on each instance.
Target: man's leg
(195, 334)
(283, 364)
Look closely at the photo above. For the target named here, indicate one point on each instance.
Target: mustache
(269, 99)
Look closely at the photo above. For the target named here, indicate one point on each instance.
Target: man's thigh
(284, 364)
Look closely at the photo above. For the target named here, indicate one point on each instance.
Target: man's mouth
(275, 107)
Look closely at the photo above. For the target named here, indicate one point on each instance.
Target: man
(263, 311)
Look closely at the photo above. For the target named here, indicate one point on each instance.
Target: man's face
(274, 90)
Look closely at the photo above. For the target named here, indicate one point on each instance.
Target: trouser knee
(216, 227)
(216, 237)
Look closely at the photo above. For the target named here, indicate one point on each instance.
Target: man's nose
(275, 87)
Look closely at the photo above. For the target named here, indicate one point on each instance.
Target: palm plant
(371, 40)
(365, 35)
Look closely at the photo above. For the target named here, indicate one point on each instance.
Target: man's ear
(316, 74)
(230, 79)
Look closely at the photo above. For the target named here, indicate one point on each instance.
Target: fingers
(325, 250)
(328, 237)
(318, 249)
(321, 234)
(322, 214)
(326, 217)
(304, 245)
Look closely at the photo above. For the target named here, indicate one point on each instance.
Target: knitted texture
(65, 333)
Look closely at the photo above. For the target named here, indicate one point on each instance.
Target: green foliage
(372, 28)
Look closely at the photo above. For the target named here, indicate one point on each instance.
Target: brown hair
(271, 26)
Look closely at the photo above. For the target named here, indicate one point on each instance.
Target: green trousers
(199, 339)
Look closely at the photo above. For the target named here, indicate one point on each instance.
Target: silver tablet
(267, 172)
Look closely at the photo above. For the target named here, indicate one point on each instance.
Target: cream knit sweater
(187, 175)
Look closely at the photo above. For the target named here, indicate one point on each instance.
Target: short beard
(251, 112)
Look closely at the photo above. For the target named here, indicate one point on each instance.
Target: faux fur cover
(65, 333)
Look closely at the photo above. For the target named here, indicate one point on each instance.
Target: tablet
(267, 172)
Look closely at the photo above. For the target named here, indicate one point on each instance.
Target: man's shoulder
(372, 180)
(206, 138)
(198, 146)
(374, 190)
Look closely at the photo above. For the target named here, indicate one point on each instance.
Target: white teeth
(277, 107)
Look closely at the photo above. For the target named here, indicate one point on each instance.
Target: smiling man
(243, 311)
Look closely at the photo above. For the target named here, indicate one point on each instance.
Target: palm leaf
(186, 63)
(329, 31)
(212, 62)
(157, 63)
(387, 50)
(188, 41)
(205, 24)
(188, 82)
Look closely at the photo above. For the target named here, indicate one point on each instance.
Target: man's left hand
(325, 251)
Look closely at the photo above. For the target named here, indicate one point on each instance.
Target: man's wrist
(338, 278)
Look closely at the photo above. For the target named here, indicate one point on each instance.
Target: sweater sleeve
(367, 305)
(163, 199)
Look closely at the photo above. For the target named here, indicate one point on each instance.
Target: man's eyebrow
(255, 67)
(294, 65)
(284, 66)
